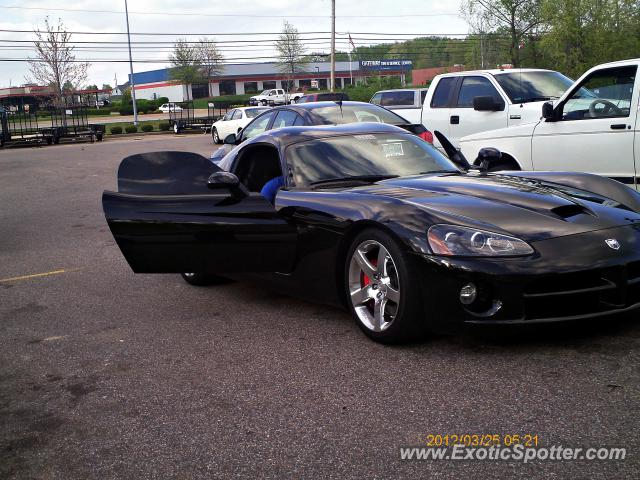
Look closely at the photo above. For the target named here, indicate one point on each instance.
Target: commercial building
(237, 79)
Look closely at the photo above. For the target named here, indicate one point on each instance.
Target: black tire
(201, 279)
(215, 137)
(56, 140)
(99, 137)
(408, 322)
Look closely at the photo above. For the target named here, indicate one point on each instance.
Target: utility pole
(133, 90)
(333, 45)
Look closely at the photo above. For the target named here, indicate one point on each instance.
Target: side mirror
(230, 139)
(222, 180)
(487, 157)
(549, 112)
(487, 104)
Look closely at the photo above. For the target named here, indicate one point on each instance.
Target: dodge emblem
(613, 243)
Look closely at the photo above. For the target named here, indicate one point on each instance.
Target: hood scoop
(571, 210)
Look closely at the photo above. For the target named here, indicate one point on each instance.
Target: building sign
(393, 64)
(314, 84)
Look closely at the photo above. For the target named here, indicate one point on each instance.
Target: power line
(185, 14)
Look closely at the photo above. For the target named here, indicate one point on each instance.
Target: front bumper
(568, 278)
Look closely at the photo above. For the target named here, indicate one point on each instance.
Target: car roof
(285, 136)
(417, 89)
(305, 107)
(495, 71)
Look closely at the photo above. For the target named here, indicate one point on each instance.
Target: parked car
(464, 103)
(169, 107)
(405, 101)
(275, 96)
(234, 121)
(371, 218)
(319, 113)
(594, 127)
(324, 97)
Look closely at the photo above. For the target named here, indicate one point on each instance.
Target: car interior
(256, 165)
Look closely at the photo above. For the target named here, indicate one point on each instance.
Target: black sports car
(376, 219)
(318, 113)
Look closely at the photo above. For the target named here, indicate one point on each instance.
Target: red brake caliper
(364, 279)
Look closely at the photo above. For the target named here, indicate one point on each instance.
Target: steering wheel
(608, 107)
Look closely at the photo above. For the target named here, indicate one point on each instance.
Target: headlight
(451, 240)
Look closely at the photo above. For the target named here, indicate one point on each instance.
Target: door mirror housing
(487, 157)
(222, 180)
(230, 139)
(549, 113)
(487, 104)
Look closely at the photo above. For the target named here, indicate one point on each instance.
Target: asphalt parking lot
(107, 374)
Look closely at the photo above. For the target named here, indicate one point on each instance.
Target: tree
(186, 64)
(106, 86)
(210, 58)
(291, 52)
(518, 19)
(54, 63)
(91, 87)
(587, 32)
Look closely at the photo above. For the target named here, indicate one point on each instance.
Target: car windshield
(253, 112)
(523, 87)
(265, 92)
(335, 115)
(366, 156)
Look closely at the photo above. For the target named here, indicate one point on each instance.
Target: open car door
(166, 219)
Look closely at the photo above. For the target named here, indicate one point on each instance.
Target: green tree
(584, 33)
(518, 19)
(185, 60)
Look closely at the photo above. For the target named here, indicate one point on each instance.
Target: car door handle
(455, 119)
(618, 126)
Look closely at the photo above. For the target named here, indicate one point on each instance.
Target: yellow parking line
(33, 275)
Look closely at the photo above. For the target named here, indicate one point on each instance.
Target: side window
(299, 121)
(257, 126)
(228, 116)
(402, 98)
(237, 115)
(285, 118)
(272, 92)
(475, 87)
(440, 97)
(423, 95)
(376, 99)
(603, 94)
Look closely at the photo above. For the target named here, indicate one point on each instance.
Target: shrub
(164, 126)
(147, 128)
(131, 129)
(115, 130)
(126, 109)
(162, 100)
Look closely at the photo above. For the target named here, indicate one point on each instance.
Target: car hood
(524, 130)
(529, 209)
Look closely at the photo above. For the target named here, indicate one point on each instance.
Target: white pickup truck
(463, 103)
(406, 102)
(594, 127)
(275, 96)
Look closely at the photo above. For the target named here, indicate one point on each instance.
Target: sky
(104, 21)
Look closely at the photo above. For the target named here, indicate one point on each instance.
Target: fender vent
(570, 210)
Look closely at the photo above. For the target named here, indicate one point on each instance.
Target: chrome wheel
(374, 285)
(216, 139)
(189, 275)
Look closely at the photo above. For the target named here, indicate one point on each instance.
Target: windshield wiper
(354, 178)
